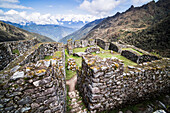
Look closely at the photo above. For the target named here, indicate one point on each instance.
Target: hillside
(134, 19)
(55, 32)
(81, 32)
(153, 39)
(11, 33)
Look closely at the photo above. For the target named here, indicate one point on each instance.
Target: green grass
(58, 54)
(109, 55)
(69, 74)
(76, 50)
(15, 51)
(133, 50)
(126, 61)
(48, 57)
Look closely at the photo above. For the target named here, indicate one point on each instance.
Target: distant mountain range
(82, 32)
(55, 32)
(12, 33)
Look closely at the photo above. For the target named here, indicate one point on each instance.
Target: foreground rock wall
(104, 86)
(10, 50)
(35, 87)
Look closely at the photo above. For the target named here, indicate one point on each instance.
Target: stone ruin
(70, 46)
(105, 85)
(129, 54)
(71, 64)
(92, 49)
(11, 50)
(36, 85)
(79, 44)
(136, 57)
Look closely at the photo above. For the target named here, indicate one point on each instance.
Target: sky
(56, 11)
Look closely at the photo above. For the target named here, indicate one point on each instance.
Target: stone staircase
(76, 103)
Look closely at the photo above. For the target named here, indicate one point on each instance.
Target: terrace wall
(105, 87)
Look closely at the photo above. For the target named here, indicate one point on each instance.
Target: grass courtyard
(105, 54)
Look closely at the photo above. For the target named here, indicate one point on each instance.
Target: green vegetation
(58, 54)
(132, 50)
(68, 100)
(107, 54)
(48, 57)
(69, 74)
(153, 39)
(16, 51)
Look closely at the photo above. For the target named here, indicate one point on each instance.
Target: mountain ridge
(81, 32)
(12, 33)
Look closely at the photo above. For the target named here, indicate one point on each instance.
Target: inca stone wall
(79, 44)
(70, 46)
(103, 44)
(10, 50)
(104, 84)
(35, 87)
(92, 49)
(136, 57)
(42, 51)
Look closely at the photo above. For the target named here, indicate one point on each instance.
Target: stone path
(75, 100)
(72, 83)
(76, 103)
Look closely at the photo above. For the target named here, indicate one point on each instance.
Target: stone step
(76, 110)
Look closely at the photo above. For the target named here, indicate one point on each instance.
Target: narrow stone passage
(75, 101)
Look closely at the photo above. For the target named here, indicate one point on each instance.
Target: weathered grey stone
(17, 75)
(34, 105)
(96, 75)
(25, 109)
(47, 111)
(37, 83)
(25, 100)
(15, 68)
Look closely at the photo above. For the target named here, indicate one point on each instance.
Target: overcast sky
(53, 11)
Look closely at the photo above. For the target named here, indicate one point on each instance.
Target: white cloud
(139, 2)
(99, 7)
(12, 1)
(23, 17)
(12, 4)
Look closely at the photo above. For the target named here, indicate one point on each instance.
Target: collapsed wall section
(35, 87)
(104, 86)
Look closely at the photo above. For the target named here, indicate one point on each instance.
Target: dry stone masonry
(36, 86)
(92, 49)
(10, 50)
(79, 44)
(104, 84)
(71, 64)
